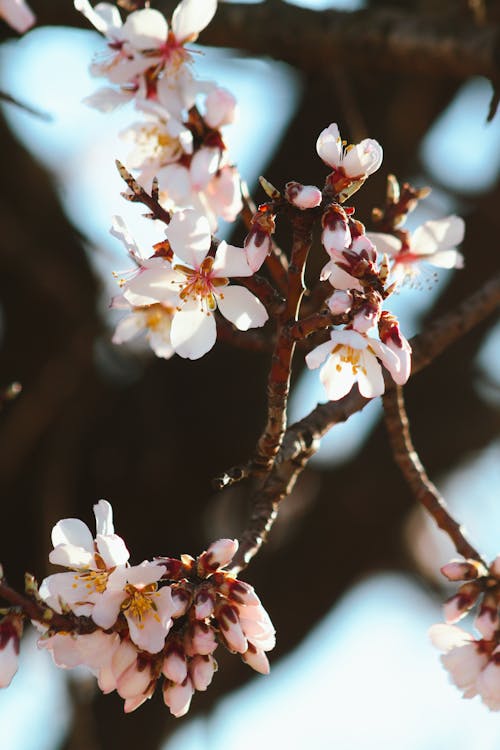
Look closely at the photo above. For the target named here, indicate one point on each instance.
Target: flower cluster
(473, 663)
(175, 294)
(132, 625)
(148, 62)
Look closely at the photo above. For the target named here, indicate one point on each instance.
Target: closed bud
(303, 196)
(458, 570)
(458, 605)
(201, 671)
(11, 629)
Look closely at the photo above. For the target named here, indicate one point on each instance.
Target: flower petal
(189, 236)
(192, 16)
(441, 234)
(242, 308)
(230, 261)
(193, 331)
(72, 531)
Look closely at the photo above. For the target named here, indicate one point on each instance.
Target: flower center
(95, 581)
(348, 355)
(200, 284)
(139, 601)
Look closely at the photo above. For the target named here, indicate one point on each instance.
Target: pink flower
(356, 161)
(464, 658)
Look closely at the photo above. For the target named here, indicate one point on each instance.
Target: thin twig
(139, 195)
(415, 475)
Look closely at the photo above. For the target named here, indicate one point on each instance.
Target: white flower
(220, 108)
(198, 285)
(92, 561)
(148, 610)
(17, 14)
(158, 141)
(155, 320)
(434, 242)
(356, 161)
(352, 358)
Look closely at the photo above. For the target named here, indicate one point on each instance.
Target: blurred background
(350, 573)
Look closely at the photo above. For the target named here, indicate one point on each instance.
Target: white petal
(72, 557)
(370, 378)
(72, 531)
(329, 146)
(104, 517)
(193, 331)
(128, 327)
(146, 29)
(446, 637)
(17, 14)
(446, 259)
(112, 549)
(242, 308)
(339, 278)
(145, 573)
(120, 230)
(192, 16)
(317, 356)
(106, 99)
(189, 236)
(337, 377)
(107, 608)
(231, 261)
(363, 158)
(155, 285)
(391, 361)
(160, 343)
(103, 17)
(441, 234)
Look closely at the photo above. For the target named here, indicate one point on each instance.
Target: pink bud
(201, 671)
(456, 570)
(220, 108)
(219, 554)
(257, 247)
(174, 666)
(202, 640)
(340, 302)
(203, 604)
(256, 659)
(133, 682)
(11, 628)
(487, 620)
(457, 606)
(178, 697)
(231, 628)
(303, 196)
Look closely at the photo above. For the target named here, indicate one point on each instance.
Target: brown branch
(139, 195)
(278, 384)
(415, 475)
(302, 439)
(253, 340)
(392, 39)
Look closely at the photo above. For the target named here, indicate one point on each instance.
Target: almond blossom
(352, 357)
(434, 242)
(197, 285)
(17, 14)
(145, 40)
(351, 164)
(91, 561)
(154, 320)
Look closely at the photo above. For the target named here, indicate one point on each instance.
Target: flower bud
(458, 570)
(178, 697)
(201, 671)
(340, 302)
(218, 555)
(257, 659)
(203, 604)
(231, 629)
(303, 196)
(174, 665)
(458, 605)
(11, 628)
(201, 640)
(487, 620)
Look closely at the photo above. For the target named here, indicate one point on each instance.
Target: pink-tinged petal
(104, 17)
(123, 657)
(488, 685)
(329, 145)
(97, 649)
(203, 605)
(223, 194)
(189, 236)
(204, 165)
(339, 278)
(336, 240)
(70, 556)
(175, 667)
(487, 620)
(64, 649)
(17, 14)
(112, 549)
(107, 607)
(446, 259)
(178, 697)
(465, 665)
(303, 196)
(317, 356)
(106, 680)
(67, 588)
(133, 682)
(202, 641)
(221, 552)
(257, 659)
(403, 353)
(230, 261)
(146, 29)
(446, 637)
(8, 663)
(242, 308)
(441, 234)
(340, 302)
(385, 243)
(230, 628)
(192, 16)
(460, 570)
(72, 531)
(364, 158)
(256, 250)
(120, 230)
(201, 671)
(131, 704)
(193, 331)
(220, 108)
(103, 513)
